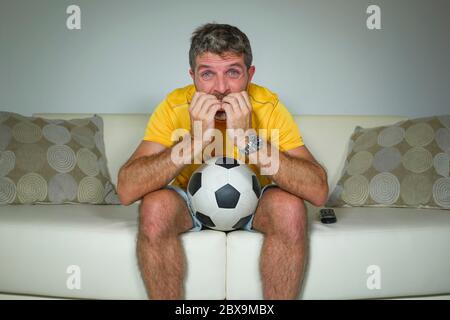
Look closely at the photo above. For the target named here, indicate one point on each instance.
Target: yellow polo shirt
(268, 115)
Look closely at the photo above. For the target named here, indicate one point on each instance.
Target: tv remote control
(327, 216)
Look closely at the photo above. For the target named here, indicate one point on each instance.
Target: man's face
(221, 75)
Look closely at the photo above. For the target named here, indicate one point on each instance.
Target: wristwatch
(254, 144)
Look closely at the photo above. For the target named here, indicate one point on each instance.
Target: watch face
(254, 144)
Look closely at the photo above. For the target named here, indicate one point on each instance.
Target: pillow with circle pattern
(53, 161)
(401, 165)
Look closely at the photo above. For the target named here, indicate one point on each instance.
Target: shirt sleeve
(289, 136)
(160, 125)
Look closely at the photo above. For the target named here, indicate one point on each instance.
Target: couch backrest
(326, 136)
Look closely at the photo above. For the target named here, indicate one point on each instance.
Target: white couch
(38, 243)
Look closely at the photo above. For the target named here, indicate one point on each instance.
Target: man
(222, 97)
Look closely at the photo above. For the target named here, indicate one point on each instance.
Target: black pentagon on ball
(227, 163)
(205, 220)
(195, 183)
(256, 186)
(227, 197)
(242, 222)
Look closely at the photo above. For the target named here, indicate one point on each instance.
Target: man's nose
(222, 85)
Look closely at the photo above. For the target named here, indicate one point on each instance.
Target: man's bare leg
(163, 216)
(281, 217)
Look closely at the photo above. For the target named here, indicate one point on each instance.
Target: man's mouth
(220, 115)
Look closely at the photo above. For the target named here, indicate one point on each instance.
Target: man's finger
(207, 105)
(197, 110)
(194, 103)
(228, 110)
(242, 103)
(247, 99)
(195, 98)
(212, 111)
(232, 101)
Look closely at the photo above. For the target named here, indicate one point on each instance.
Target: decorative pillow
(53, 161)
(401, 165)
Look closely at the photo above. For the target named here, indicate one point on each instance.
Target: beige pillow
(53, 161)
(401, 165)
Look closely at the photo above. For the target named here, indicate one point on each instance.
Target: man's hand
(239, 114)
(202, 110)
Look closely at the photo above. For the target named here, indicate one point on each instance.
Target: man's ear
(251, 72)
(191, 73)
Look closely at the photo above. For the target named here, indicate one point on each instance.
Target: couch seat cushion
(407, 247)
(38, 243)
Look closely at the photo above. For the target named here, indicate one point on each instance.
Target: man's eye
(234, 73)
(206, 74)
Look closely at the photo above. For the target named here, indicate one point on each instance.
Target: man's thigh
(164, 208)
(249, 225)
(278, 204)
(196, 224)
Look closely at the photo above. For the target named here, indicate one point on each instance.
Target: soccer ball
(224, 193)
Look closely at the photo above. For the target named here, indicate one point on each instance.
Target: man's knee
(286, 214)
(162, 213)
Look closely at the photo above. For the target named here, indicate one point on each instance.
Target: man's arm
(298, 173)
(153, 166)
(150, 168)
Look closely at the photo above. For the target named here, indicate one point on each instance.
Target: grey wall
(317, 55)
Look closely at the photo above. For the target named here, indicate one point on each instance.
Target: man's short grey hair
(219, 39)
